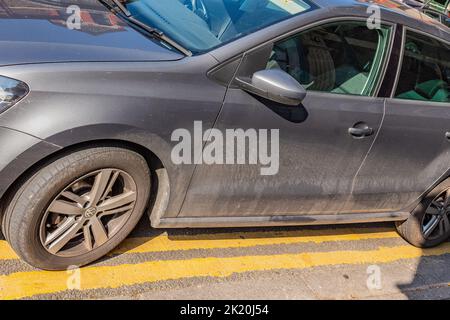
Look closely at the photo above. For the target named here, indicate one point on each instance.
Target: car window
(342, 58)
(425, 73)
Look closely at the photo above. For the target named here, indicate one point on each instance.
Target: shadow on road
(431, 279)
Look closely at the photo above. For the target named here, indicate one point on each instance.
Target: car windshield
(200, 25)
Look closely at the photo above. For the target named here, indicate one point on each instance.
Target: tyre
(429, 223)
(77, 208)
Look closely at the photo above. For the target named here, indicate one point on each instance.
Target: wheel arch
(410, 207)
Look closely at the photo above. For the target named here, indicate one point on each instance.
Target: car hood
(37, 31)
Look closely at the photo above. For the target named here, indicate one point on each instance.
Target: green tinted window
(342, 58)
(425, 73)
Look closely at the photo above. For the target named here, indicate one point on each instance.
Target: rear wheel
(78, 207)
(429, 223)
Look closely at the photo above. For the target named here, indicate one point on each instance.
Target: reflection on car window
(425, 73)
(200, 25)
(444, 19)
(340, 58)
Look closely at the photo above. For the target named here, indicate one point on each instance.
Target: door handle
(360, 130)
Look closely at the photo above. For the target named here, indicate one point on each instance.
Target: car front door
(322, 142)
(412, 151)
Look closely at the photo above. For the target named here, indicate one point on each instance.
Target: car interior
(425, 71)
(337, 58)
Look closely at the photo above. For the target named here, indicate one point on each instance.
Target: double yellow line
(165, 243)
(26, 284)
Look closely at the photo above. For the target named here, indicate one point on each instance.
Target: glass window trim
(381, 61)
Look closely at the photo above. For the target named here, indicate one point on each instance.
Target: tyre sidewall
(411, 229)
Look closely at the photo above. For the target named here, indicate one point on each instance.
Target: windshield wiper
(118, 7)
(160, 35)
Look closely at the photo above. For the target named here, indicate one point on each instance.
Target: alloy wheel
(88, 212)
(436, 221)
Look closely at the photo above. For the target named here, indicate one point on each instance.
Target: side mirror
(275, 85)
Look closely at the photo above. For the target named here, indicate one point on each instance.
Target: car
(443, 18)
(437, 9)
(342, 109)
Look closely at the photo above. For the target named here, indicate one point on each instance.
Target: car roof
(409, 15)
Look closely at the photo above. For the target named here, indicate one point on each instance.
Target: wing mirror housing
(275, 85)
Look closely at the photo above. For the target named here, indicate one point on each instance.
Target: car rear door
(322, 143)
(412, 151)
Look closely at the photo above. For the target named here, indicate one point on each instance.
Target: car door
(412, 151)
(321, 143)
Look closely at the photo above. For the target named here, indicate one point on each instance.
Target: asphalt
(327, 262)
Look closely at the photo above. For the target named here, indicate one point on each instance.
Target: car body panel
(101, 102)
(34, 32)
(411, 153)
(18, 152)
(318, 158)
(279, 220)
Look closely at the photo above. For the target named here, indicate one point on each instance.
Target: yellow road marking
(163, 242)
(249, 239)
(6, 253)
(26, 284)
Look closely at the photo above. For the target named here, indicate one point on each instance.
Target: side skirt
(221, 222)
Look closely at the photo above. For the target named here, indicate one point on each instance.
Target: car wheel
(429, 223)
(77, 208)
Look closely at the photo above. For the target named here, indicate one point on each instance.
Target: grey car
(92, 94)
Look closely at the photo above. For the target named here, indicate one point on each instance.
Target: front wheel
(429, 223)
(77, 208)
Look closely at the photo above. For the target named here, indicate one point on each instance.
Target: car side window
(341, 58)
(425, 73)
